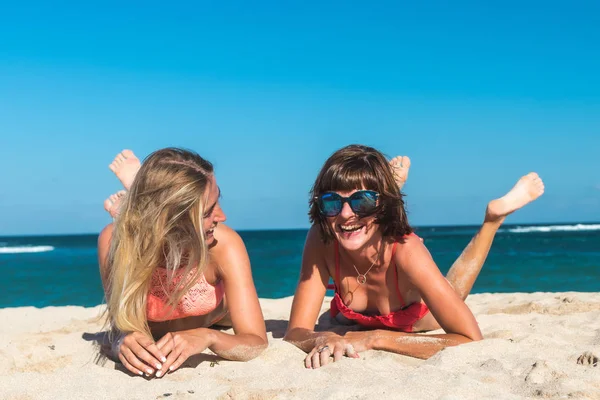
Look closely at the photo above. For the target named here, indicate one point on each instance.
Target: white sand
(533, 342)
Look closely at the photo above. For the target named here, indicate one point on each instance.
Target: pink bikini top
(201, 299)
(400, 320)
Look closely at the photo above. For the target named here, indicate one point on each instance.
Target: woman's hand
(138, 353)
(179, 346)
(335, 346)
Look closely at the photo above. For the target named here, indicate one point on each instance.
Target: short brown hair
(361, 167)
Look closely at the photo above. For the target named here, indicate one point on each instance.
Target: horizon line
(306, 228)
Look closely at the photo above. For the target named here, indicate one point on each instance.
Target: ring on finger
(322, 349)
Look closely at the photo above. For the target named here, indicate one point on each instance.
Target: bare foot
(113, 203)
(527, 189)
(400, 166)
(125, 166)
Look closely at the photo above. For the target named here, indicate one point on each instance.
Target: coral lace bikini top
(201, 299)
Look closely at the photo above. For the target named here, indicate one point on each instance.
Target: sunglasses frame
(343, 200)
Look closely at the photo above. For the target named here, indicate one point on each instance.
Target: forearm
(306, 339)
(239, 347)
(408, 344)
(414, 345)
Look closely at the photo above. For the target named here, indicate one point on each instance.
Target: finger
(171, 358)
(133, 360)
(324, 356)
(151, 347)
(350, 352)
(163, 341)
(143, 355)
(308, 359)
(316, 360)
(338, 352)
(129, 366)
(179, 362)
(166, 344)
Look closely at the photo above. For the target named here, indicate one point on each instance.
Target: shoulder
(315, 248)
(412, 249)
(227, 239)
(314, 239)
(103, 248)
(105, 235)
(229, 251)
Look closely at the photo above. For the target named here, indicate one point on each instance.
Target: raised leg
(466, 268)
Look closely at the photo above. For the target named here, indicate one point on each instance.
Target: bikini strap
(396, 274)
(337, 264)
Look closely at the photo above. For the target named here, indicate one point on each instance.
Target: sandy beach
(540, 345)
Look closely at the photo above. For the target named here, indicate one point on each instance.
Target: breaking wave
(554, 228)
(25, 249)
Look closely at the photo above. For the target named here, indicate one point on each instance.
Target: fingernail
(158, 374)
(158, 366)
(171, 368)
(149, 371)
(164, 359)
(141, 373)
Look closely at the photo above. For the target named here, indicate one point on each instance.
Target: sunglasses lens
(330, 204)
(364, 202)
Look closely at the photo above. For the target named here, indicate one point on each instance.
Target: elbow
(244, 352)
(252, 352)
(474, 336)
(468, 336)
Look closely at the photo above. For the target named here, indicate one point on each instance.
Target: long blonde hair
(159, 225)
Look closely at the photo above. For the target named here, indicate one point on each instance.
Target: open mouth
(349, 229)
(210, 231)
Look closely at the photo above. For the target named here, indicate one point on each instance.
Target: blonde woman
(171, 269)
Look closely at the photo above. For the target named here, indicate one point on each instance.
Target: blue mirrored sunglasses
(363, 202)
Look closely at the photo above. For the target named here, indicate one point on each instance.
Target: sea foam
(555, 228)
(25, 249)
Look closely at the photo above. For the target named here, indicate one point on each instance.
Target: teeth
(350, 227)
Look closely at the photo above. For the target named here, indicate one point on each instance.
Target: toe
(128, 153)
(108, 204)
(405, 162)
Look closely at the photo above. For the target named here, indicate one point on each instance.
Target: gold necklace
(362, 278)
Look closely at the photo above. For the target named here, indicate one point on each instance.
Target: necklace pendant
(361, 279)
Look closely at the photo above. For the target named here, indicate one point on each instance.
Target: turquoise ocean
(62, 270)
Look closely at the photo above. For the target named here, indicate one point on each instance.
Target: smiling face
(350, 230)
(213, 213)
(347, 171)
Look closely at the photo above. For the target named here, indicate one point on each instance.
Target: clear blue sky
(476, 94)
